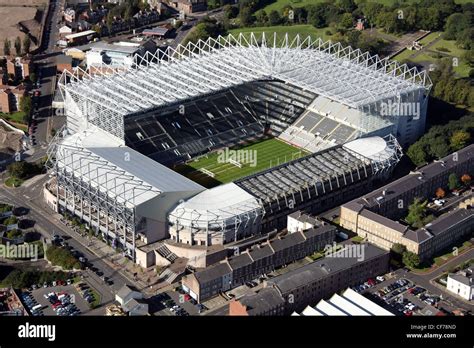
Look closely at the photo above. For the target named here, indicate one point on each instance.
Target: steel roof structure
(349, 303)
(340, 73)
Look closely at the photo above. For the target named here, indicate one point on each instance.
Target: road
(426, 281)
(46, 75)
(31, 198)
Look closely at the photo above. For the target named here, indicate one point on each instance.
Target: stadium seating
(178, 133)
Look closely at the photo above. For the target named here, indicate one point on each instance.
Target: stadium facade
(126, 125)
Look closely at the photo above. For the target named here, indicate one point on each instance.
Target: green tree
(25, 104)
(417, 213)
(411, 259)
(397, 251)
(32, 77)
(346, 5)
(230, 11)
(18, 46)
(346, 21)
(460, 139)
(416, 152)
(453, 181)
(398, 248)
(26, 44)
(245, 16)
(455, 24)
(7, 47)
(262, 18)
(274, 18)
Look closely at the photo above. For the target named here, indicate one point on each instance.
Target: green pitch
(229, 165)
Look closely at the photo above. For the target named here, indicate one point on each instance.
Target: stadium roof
(244, 199)
(348, 303)
(118, 171)
(216, 206)
(340, 73)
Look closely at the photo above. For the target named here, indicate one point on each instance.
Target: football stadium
(197, 149)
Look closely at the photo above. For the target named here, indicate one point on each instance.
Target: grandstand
(177, 105)
(262, 201)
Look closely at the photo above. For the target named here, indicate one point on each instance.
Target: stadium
(199, 148)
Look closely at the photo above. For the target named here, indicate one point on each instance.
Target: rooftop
(265, 300)
(338, 73)
(121, 172)
(408, 182)
(319, 269)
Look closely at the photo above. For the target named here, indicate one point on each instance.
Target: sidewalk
(145, 280)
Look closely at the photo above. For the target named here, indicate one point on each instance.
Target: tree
(410, 259)
(466, 179)
(460, 139)
(25, 104)
(416, 152)
(274, 18)
(440, 193)
(18, 46)
(7, 47)
(455, 24)
(32, 77)
(245, 16)
(397, 251)
(346, 21)
(26, 44)
(453, 181)
(346, 5)
(262, 17)
(417, 213)
(230, 11)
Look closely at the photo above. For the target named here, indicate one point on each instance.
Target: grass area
(316, 256)
(13, 182)
(357, 239)
(279, 4)
(260, 156)
(16, 117)
(445, 49)
(440, 260)
(430, 37)
(96, 296)
(303, 29)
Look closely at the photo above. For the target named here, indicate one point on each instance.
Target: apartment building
(376, 215)
(313, 282)
(261, 259)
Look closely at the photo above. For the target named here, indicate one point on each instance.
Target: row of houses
(257, 261)
(294, 290)
(97, 20)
